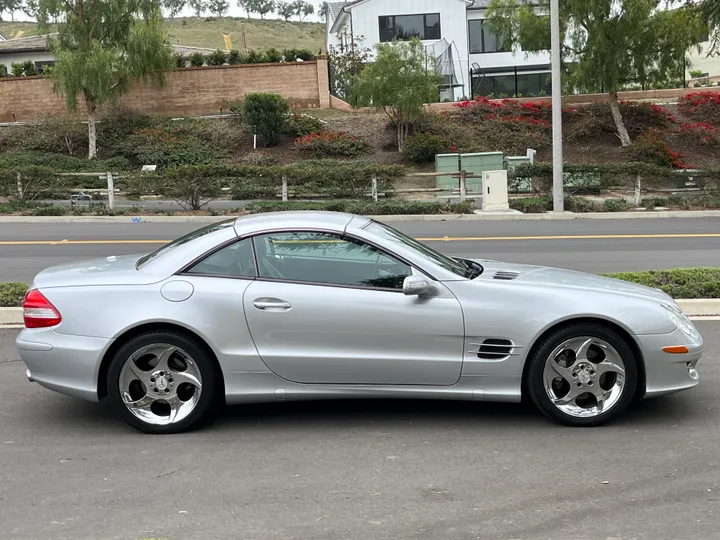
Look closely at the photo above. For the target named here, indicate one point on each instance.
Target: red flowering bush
(701, 106)
(649, 149)
(332, 143)
(699, 133)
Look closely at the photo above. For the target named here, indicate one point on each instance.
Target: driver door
(330, 309)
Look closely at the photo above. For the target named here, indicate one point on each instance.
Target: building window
(406, 27)
(514, 83)
(482, 39)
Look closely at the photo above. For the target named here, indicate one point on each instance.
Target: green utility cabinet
(476, 164)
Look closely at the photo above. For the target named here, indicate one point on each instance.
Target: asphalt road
(592, 246)
(360, 470)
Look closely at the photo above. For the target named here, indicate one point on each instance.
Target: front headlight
(680, 320)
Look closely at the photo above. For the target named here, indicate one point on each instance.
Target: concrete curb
(494, 216)
(696, 309)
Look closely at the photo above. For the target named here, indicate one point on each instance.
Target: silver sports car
(312, 305)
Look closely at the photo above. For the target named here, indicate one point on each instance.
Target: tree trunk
(400, 138)
(617, 117)
(92, 131)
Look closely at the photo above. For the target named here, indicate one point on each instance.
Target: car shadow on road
(80, 416)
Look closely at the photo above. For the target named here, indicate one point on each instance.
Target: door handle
(271, 304)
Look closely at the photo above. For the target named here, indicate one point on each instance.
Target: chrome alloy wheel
(160, 384)
(584, 377)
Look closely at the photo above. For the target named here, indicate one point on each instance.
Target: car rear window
(184, 240)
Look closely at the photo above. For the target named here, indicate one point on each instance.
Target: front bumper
(667, 373)
(63, 363)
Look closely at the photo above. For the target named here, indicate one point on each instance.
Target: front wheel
(162, 382)
(582, 375)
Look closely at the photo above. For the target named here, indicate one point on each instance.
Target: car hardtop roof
(335, 221)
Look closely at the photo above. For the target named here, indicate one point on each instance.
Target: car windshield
(467, 269)
(184, 240)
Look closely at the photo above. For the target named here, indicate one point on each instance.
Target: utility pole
(557, 151)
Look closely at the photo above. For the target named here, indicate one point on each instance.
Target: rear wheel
(163, 382)
(582, 375)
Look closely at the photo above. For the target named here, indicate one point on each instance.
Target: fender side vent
(505, 274)
(495, 349)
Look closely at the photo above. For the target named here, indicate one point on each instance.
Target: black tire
(211, 381)
(535, 384)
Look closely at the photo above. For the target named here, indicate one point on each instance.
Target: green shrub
(217, 58)
(165, 147)
(364, 207)
(679, 283)
(197, 59)
(532, 205)
(332, 143)
(272, 55)
(120, 122)
(301, 125)
(423, 147)
(650, 149)
(50, 210)
(29, 68)
(293, 55)
(235, 58)
(615, 205)
(12, 294)
(57, 135)
(3, 71)
(180, 60)
(17, 69)
(11, 161)
(267, 113)
(254, 57)
(579, 205)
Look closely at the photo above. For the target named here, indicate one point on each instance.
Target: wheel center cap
(584, 377)
(161, 382)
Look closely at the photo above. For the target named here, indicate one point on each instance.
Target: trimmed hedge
(380, 208)
(679, 283)
(604, 176)
(12, 294)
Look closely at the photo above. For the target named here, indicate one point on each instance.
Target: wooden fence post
(111, 190)
(638, 190)
(284, 188)
(463, 185)
(374, 188)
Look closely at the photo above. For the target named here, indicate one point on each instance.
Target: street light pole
(557, 153)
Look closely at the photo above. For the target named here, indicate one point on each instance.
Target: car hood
(113, 270)
(570, 279)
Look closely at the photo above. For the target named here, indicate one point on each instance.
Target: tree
(198, 6)
(262, 7)
(400, 81)
(286, 10)
(303, 9)
(323, 11)
(345, 68)
(246, 5)
(10, 7)
(174, 7)
(607, 44)
(711, 13)
(102, 48)
(218, 7)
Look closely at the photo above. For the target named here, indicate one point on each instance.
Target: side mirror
(416, 286)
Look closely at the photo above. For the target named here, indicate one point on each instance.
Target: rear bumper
(669, 373)
(63, 363)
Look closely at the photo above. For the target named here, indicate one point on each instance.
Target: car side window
(235, 260)
(315, 257)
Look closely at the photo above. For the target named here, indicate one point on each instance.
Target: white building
(468, 54)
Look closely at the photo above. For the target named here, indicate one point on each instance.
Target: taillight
(38, 312)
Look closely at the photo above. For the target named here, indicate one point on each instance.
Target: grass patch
(12, 294)
(380, 208)
(207, 32)
(680, 283)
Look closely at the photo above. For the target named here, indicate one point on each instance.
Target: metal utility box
(495, 190)
(449, 163)
(477, 164)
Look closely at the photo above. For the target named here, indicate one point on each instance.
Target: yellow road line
(433, 239)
